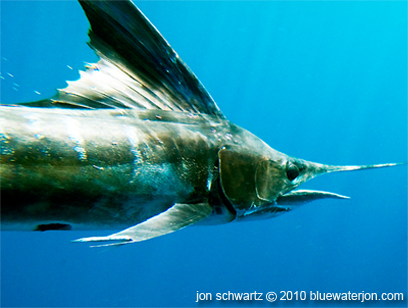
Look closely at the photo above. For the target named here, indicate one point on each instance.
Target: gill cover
(250, 180)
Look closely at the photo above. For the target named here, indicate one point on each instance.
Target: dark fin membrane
(138, 68)
(49, 103)
(53, 226)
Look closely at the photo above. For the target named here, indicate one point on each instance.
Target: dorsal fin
(138, 68)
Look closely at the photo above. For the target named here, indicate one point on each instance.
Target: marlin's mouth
(311, 170)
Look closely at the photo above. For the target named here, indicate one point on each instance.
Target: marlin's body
(138, 143)
(128, 167)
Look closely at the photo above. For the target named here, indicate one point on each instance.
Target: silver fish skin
(106, 168)
(138, 144)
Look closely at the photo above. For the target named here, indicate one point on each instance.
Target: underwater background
(324, 81)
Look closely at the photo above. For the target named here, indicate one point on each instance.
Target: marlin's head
(263, 186)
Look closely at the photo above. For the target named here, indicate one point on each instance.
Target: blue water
(324, 81)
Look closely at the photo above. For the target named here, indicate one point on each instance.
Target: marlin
(138, 144)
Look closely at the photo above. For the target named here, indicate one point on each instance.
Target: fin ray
(138, 68)
(175, 218)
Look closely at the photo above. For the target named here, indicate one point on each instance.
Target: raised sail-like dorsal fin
(138, 68)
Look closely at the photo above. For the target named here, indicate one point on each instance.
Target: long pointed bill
(300, 197)
(330, 168)
(315, 169)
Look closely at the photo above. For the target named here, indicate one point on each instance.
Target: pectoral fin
(175, 218)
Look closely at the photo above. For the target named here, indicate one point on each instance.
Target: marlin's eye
(292, 171)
